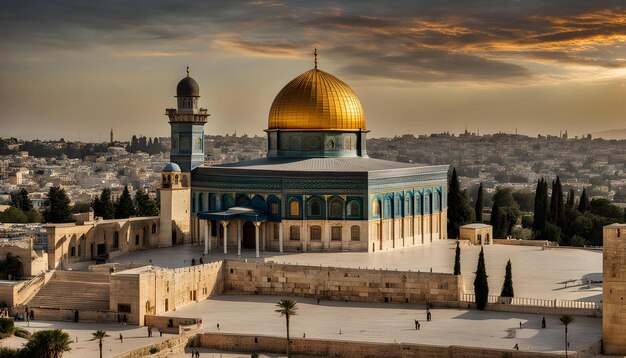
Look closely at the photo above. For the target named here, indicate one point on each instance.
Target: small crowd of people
(200, 261)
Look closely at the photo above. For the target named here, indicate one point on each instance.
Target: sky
(75, 69)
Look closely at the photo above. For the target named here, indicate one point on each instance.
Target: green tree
(48, 344)
(498, 221)
(571, 200)
(457, 259)
(99, 335)
(481, 286)
(603, 207)
(20, 200)
(58, 208)
(504, 197)
(566, 320)
(478, 205)
(583, 204)
(7, 328)
(507, 287)
(551, 232)
(34, 216)
(125, 207)
(454, 205)
(103, 206)
(540, 213)
(13, 215)
(287, 308)
(145, 205)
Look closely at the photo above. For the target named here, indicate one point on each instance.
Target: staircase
(75, 290)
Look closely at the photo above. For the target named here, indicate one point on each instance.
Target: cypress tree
(125, 207)
(457, 259)
(538, 213)
(507, 287)
(58, 208)
(583, 205)
(478, 207)
(496, 220)
(454, 205)
(104, 206)
(571, 199)
(145, 205)
(553, 204)
(481, 286)
(560, 205)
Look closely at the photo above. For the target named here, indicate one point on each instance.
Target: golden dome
(316, 100)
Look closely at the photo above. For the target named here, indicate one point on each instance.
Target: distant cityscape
(83, 169)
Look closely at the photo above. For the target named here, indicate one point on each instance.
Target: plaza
(537, 273)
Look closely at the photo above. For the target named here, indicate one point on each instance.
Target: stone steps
(74, 290)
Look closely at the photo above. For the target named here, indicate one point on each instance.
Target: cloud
(426, 41)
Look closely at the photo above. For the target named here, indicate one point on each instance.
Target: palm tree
(99, 335)
(566, 320)
(287, 308)
(48, 344)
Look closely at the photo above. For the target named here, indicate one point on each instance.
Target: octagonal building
(316, 190)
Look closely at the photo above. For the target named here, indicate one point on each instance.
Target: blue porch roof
(243, 212)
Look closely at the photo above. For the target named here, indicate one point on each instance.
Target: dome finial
(187, 71)
(315, 54)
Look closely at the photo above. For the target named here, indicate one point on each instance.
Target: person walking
(121, 338)
(417, 325)
(543, 322)
(516, 347)
(218, 326)
(428, 316)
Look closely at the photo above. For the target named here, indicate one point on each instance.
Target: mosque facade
(315, 190)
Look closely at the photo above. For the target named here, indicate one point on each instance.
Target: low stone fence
(535, 305)
(350, 349)
(524, 242)
(166, 348)
(56, 314)
(115, 267)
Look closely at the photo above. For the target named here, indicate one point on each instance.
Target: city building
(476, 234)
(614, 290)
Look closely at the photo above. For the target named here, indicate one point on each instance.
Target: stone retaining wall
(337, 283)
(349, 349)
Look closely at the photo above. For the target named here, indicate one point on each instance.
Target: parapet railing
(535, 302)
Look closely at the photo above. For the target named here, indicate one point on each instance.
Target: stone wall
(347, 349)
(55, 314)
(152, 290)
(340, 283)
(614, 289)
(170, 324)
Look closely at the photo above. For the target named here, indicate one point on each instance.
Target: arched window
(407, 205)
(73, 251)
(376, 207)
(355, 233)
(274, 208)
(388, 208)
(316, 233)
(116, 240)
(315, 209)
(176, 179)
(354, 208)
(397, 206)
(294, 208)
(294, 233)
(336, 209)
(154, 228)
(335, 233)
(137, 239)
(427, 203)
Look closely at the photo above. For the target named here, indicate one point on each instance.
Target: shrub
(22, 333)
(154, 350)
(578, 241)
(7, 327)
(254, 355)
(9, 352)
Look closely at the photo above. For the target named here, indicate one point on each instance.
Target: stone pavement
(536, 273)
(81, 335)
(380, 322)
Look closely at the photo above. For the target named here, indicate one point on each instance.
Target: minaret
(187, 125)
(111, 137)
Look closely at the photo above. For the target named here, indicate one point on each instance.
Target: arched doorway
(249, 232)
